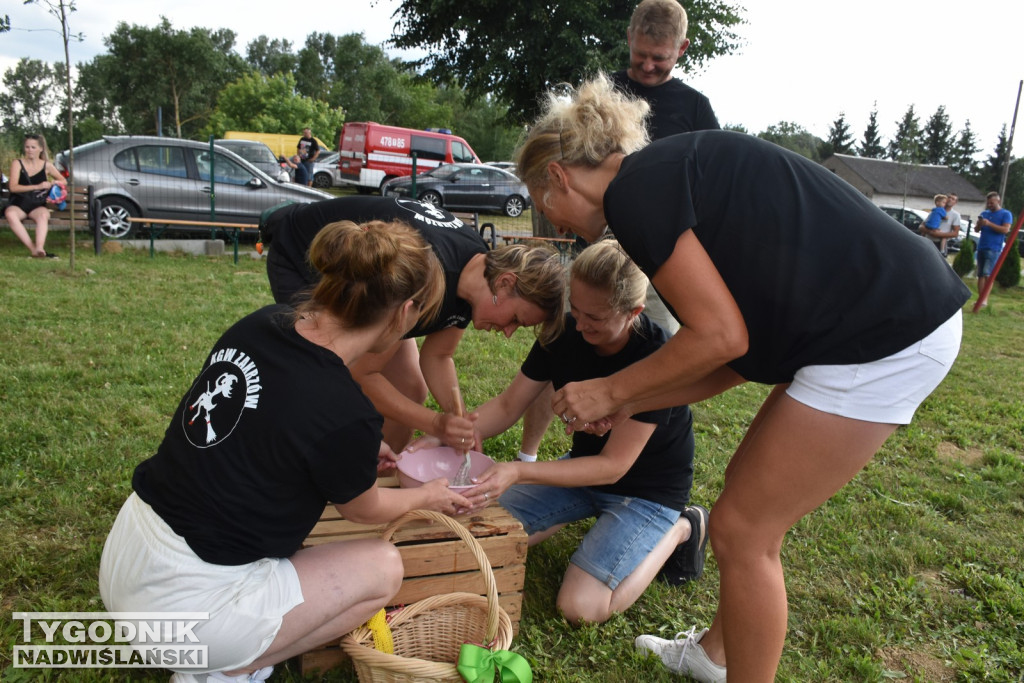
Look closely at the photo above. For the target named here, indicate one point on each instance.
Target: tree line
(482, 76)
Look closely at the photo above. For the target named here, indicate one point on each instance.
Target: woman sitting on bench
(30, 184)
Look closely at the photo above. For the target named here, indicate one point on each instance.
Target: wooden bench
(86, 210)
(566, 246)
(232, 231)
(436, 562)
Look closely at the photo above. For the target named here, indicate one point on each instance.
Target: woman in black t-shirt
(635, 480)
(273, 429)
(501, 290)
(29, 184)
(779, 272)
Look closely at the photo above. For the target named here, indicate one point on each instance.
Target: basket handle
(490, 587)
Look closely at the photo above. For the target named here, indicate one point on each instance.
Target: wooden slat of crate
(436, 562)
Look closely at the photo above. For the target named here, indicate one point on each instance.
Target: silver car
(325, 171)
(158, 177)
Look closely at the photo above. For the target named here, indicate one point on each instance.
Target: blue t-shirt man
(990, 239)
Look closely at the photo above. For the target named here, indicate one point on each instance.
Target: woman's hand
(580, 404)
(387, 461)
(494, 482)
(440, 498)
(456, 431)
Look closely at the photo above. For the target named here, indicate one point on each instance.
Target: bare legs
(343, 585)
(792, 459)
(41, 216)
(582, 598)
(536, 420)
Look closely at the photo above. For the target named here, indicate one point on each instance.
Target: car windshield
(443, 172)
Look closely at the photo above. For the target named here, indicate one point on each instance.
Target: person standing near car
(993, 224)
(657, 40)
(308, 150)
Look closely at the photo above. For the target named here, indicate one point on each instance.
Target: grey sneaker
(686, 563)
(683, 655)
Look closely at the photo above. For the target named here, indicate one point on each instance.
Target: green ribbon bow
(477, 664)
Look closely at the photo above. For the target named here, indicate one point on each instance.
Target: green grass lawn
(912, 572)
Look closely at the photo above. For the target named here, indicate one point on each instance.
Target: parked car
(465, 187)
(159, 177)
(325, 171)
(912, 218)
(509, 166)
(259, 155)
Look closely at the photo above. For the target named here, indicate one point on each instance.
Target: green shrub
(1009, 273)
(964, 261)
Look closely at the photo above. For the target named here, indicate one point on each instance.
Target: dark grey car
(465, 187)
(159, 177)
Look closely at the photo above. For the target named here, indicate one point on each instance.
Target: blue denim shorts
(626, 531)
(987, 261)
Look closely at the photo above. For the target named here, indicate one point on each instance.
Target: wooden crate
(436, 562)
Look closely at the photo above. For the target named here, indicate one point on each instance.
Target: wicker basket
(429, 633)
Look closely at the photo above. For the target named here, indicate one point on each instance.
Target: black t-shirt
(820, 274)
(291, 229)
(663, 472)
(675, 106)
(308, 148)
(273, 428)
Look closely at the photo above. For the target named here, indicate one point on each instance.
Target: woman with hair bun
(779, 273)
(274, 428)
(498, 290)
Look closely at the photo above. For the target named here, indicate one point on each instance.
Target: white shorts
(146, 567)
(887, 391)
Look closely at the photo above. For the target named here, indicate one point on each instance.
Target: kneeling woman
(272, 429)
(635, 479)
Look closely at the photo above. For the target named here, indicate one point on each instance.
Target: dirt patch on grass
(953, 453)
(923, 664)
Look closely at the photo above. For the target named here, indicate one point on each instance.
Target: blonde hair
(540, 279)
(605, 266)
(939, 197)
(596, 121)
(369, 270)
(659, 20)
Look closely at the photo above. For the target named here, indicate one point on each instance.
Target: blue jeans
(987, 261)
(626, 531)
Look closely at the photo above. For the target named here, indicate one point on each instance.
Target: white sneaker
(683, 655)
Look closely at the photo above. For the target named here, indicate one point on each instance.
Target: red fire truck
(371, 153)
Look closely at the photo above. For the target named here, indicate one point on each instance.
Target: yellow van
(279, 143)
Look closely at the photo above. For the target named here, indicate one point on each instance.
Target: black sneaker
(686, 562)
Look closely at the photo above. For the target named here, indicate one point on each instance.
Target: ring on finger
(487, 496)
(565, 419)
(571, 420)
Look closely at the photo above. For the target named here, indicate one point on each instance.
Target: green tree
(30, 100)
(840, 140)
(271, 57)
(937, 146)
(871, 146)
(161, 67)
(1009, 272)
(961, 157)
(517, 49)
(905, 146)
(990, 173)
(264, 104)
(963, 264)
(793, 137)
